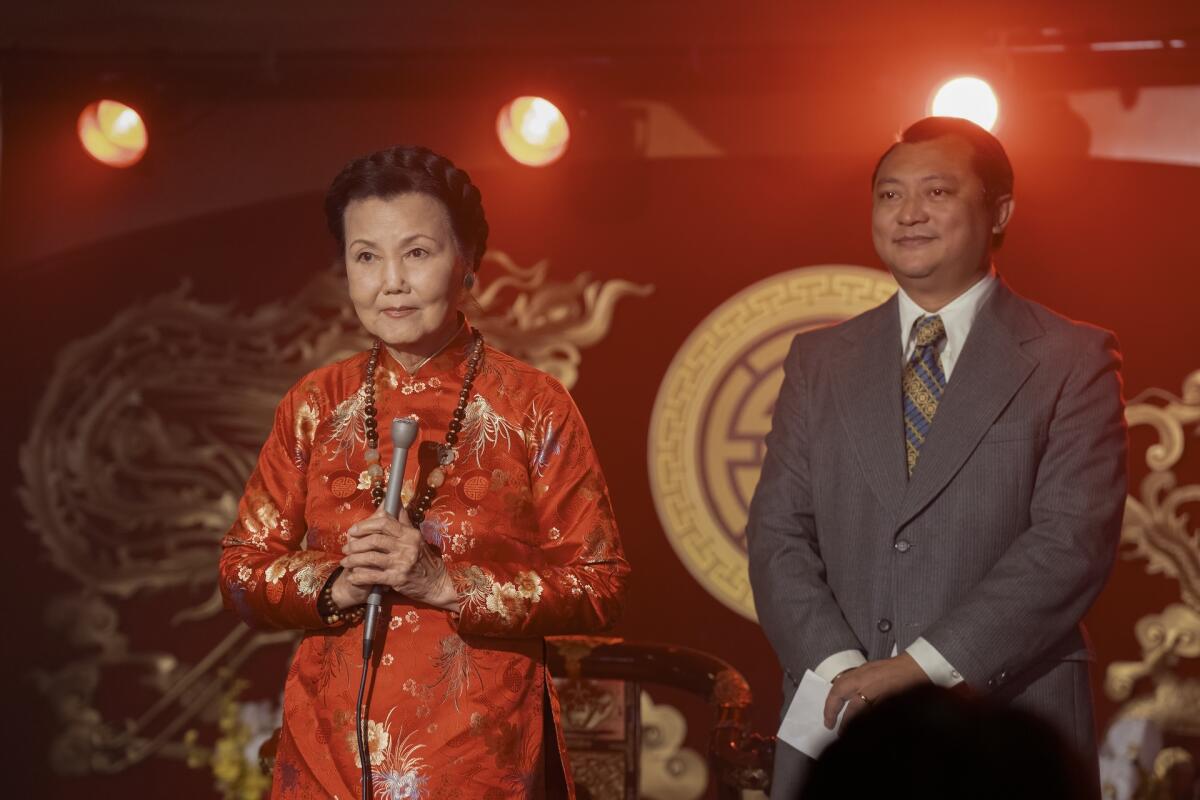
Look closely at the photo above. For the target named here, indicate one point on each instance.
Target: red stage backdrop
(1103, 241)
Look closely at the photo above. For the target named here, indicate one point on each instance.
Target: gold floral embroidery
(529, 585)
(258, 535)
(511, 601)
(348, 423)
(278, 568)
(472, 584)
(505, 601)
(333, 661)
(400, 772)
(421, 693)
(378, 739)
(484, 427)
(267, 514)
(455, 667)
(451, 542)
(308, 569)
(411, 386)
(308, 581)
(260, 520)
(574, 584)
(308, 415)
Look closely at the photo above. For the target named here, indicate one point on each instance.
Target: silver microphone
(404, 433)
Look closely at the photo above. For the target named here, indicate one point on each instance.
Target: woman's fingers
(370, 559)
(385, 525)
(375, 542)
(383, 541)
(368, 576)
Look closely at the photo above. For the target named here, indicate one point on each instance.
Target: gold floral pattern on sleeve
(576, 579)
(511, 601)
(473, 585)
(309, 570)
(308, 417)
(278, 568)
(508, 602)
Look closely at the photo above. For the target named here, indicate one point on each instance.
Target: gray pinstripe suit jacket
(992, 551)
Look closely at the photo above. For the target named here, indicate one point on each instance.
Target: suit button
(902, 546)
(884, 625)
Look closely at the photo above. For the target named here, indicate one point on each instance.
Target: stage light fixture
(533, 131)
(113, 133)
(967, 97)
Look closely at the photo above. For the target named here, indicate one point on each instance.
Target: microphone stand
(404, 433)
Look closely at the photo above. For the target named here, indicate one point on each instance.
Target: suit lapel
(990, 370)
(868, 391)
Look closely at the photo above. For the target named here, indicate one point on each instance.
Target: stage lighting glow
(969, 98)
(533, 131)
(113, 133)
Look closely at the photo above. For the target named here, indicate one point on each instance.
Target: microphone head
(404, 432)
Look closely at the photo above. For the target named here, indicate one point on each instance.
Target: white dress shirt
(957, 316)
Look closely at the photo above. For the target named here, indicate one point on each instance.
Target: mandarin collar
(448, 360)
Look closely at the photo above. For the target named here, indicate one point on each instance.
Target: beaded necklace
(446, 453)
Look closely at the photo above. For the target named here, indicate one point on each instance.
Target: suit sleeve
(265, 574)
(1046, 580)
(795, 606)
(573, 580)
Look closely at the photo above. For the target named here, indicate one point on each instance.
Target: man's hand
(859, 687)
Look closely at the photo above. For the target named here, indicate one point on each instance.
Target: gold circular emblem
(714, 408)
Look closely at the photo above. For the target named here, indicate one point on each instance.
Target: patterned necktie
(923, 383)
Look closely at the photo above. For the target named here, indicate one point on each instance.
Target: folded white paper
(804, 723)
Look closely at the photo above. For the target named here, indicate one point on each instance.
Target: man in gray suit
(942, 491)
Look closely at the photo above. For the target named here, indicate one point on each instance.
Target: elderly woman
(508, 535)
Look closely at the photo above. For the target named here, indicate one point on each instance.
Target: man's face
(930, 221)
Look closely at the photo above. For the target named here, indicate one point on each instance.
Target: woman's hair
(407, 168)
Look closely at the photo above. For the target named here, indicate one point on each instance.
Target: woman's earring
(469, 281)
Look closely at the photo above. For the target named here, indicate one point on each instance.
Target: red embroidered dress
(524, 523)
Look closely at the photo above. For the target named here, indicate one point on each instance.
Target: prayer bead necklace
(446, 454)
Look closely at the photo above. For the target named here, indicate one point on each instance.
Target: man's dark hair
(988, 158)
(929, 742)
(404, 169)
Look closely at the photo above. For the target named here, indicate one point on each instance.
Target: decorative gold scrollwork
(547, 324)
(1155, 529)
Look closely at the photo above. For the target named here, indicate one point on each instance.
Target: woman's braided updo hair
(407, 168)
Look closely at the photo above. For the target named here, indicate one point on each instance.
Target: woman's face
(405, 270)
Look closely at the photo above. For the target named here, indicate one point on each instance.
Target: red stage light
(969, 98)
(113, 133)
(533, 131)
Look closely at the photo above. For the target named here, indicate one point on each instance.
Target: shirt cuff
(936, 667)
(838, 663)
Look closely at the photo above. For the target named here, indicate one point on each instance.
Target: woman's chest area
(481, 497)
